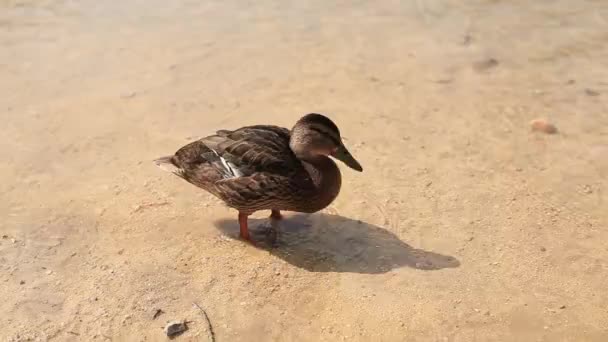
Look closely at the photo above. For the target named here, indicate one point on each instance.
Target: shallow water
(461, 211)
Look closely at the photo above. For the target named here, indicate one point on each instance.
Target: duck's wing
(253, 149)
(233, 154)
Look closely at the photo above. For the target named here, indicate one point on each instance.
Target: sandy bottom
(464, 226)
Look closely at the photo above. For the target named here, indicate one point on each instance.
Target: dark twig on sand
(211, 333)
(158, 313)
(145, 206)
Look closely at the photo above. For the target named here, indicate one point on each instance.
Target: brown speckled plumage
(267, 167)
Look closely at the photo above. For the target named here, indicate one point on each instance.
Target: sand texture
(467, 224)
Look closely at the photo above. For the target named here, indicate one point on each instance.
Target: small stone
(542, 125)
(591, 92)
(487, 313)
(14, 240)
(22, 282)
(562, 307)
(485, 64)
(175, 328)
(277, 273)
(543, 249)
(4, 236)
(470, 238)
(49, 272)
(587, 189)
(128, 95)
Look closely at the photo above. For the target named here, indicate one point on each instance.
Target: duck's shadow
(332, 243)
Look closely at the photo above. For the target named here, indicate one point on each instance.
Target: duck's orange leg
(243, 225)
(276, 214)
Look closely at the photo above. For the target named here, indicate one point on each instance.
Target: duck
(267, 167)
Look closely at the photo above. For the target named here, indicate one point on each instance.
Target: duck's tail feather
(168, 164)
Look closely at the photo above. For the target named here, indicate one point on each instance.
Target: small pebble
(5, 236)
(591, 92)
(562, 307)
(128, 95)
(485, 64)
(22, 282)
(175, 328)
(543, 249)
(542, 125)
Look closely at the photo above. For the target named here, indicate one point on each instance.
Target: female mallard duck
(267, 167)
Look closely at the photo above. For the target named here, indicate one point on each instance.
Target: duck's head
(316, 135)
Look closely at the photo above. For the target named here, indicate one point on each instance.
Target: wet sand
(464, 226)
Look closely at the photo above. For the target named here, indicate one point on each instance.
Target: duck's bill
(344, 156)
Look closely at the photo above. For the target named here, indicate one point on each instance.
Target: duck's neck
(327, 179)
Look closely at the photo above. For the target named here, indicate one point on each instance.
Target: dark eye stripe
(326, 134)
